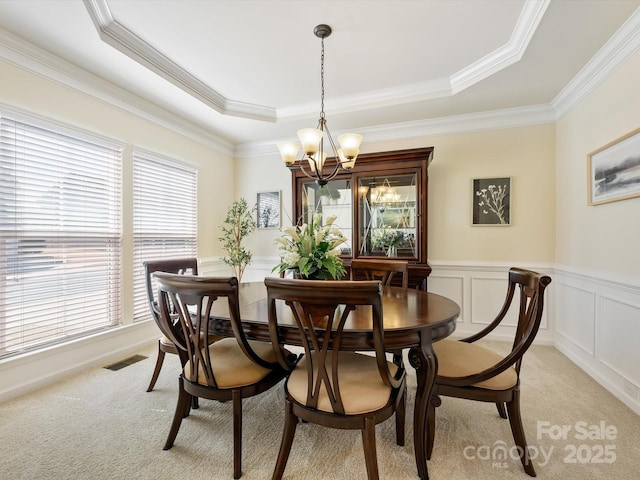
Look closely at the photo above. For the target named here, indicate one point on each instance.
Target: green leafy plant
(238, 223)
(312, 249)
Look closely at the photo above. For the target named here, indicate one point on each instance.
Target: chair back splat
(469, 370)
(330, 385)
(383, 270)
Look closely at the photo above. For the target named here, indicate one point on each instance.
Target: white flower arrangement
(312, 249)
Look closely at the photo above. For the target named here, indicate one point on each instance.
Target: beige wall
(602, 239)
(526, 154)
(33, 94)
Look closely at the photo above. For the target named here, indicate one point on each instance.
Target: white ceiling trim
(624, 43)
(23, 54)
(119, 37)
(508, 54)
(501, 58)
(474, 122)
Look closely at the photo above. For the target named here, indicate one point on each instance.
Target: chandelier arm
(301, 163)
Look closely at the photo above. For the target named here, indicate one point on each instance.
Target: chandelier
(312, 139)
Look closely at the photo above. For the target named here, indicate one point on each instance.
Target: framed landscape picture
(491, 201)
(268, 210)
(614, 170)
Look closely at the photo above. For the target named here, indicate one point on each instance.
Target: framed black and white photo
(614, 170)
(491, 201)
(268, 210)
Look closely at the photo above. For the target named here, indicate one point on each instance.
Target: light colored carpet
(103, 425)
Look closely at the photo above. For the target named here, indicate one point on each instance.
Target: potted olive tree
(239, 222)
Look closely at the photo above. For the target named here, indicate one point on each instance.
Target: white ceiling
(247, 72)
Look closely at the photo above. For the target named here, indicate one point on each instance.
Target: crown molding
(501, 58)
(624, 43)
(125, 41)
(473, 122)
(19, 52)
(506, 55)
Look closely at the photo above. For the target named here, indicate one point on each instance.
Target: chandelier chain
(322, 79)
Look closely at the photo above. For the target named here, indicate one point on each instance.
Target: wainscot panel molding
(36, 369)
(597, 325)
(592, 318)
(480, 289)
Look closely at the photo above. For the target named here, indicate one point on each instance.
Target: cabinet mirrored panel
(387, 221)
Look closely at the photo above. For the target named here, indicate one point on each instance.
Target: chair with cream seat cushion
(329, 386)
(471, 371)
(386, 271)
(185, 266)
(227, 369)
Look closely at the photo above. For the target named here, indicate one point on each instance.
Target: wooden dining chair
(329, 386)
(176, 265)
(383, 270)
(471, 371)
(228, 369)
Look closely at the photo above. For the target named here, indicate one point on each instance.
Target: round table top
(407, 315)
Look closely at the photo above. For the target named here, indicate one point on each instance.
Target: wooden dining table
(413, 319)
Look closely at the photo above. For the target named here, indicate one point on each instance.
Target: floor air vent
(125, 363)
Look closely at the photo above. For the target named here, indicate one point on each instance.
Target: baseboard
(40, 368)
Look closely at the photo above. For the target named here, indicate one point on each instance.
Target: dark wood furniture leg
(423, 359)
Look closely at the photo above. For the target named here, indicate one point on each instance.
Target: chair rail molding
(591, 317)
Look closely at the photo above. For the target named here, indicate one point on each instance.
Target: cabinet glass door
(387, 216)
(334, 198)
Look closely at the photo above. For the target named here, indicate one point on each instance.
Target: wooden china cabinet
(380, 205)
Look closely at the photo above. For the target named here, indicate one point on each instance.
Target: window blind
(164, 217)
(60, 234)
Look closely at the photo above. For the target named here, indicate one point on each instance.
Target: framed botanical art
(268, 210)
(491, 201)
(614, 170)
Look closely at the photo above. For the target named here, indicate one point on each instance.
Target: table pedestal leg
(426, 364)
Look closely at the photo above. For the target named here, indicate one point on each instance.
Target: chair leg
(400, 418)
(515, 420)
(182, 410)
(237, 434)
(501, 410)
(289, 431)
(156, 370)
(434, 402)
(369, 444)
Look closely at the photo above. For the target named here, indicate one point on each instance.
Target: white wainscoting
(480, 291)
(594, 321)
(597, 325)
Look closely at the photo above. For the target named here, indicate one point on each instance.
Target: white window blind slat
(60, 234)
(164, 217)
